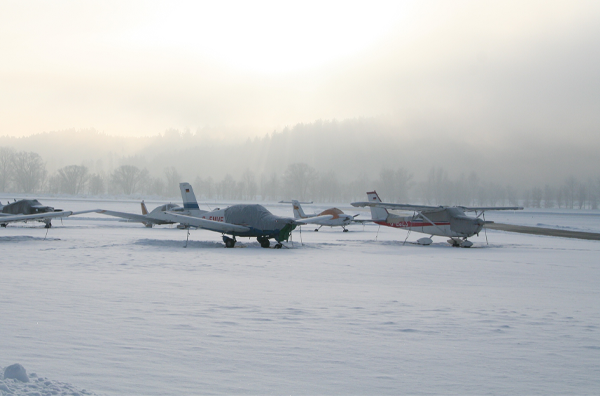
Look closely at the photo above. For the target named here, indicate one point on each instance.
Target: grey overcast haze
(461, 82)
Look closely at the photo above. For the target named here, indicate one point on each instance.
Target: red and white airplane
(448, 221)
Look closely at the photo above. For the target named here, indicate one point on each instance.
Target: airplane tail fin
(298, 212)
(376, 213)
(144, 209)
(188, 196)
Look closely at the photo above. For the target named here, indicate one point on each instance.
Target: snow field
(118, 308)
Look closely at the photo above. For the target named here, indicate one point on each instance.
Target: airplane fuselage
(257, 218)
(449, 222)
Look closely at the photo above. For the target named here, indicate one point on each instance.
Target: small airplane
(32, 210)
(243, 220)
(448, 221)
(338, 219)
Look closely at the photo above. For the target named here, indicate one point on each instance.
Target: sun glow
(267, 37)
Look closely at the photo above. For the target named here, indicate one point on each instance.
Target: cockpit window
(169, 206)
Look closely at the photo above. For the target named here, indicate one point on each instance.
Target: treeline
(25, 172)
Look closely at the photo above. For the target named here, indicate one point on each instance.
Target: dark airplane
(29, 207)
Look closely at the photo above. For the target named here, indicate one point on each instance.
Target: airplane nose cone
(479, 223)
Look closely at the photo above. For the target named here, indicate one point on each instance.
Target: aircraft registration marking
(215, 218)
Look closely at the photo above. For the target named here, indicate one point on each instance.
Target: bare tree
(570, 186)
(173, 180)
(549, 195)
(96, 185)
(128, 177)
(6, 163)
(226, 187)
(536, 197)
(396, 184)
(327, 187)
(249, 185)
(582, 195)
(73, 179)
(155, 186)
(29, 171)
(269, 187)
(204, 187)
(299, 178)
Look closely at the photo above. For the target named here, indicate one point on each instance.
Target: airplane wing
(393, 206)
(545, 231)
(130, 216)
(314, 220)
(484, 208)
(47, 215)
(210, 225)
(86, 211)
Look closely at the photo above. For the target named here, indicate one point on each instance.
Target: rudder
(188, 196)
(376, 213)
(298, 212)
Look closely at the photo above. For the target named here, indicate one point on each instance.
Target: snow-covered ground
(117, 308)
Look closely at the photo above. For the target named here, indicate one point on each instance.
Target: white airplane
(338, 219)
(448, 221)
(247, 220)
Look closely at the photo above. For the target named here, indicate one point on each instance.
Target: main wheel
(229, 243)
(278, 246)
(264, 242)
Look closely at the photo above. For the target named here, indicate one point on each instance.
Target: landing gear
(264, 242)
(345, 230)
(48, 225)
(457, 242)
(229, 242)
(317, 229)
(278, 246)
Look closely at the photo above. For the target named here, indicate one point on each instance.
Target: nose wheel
(229, 242)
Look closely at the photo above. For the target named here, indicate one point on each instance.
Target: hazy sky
(487, 71)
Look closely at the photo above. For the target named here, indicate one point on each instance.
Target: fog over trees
(325, 161)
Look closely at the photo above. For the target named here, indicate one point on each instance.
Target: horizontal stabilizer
(322, 220)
